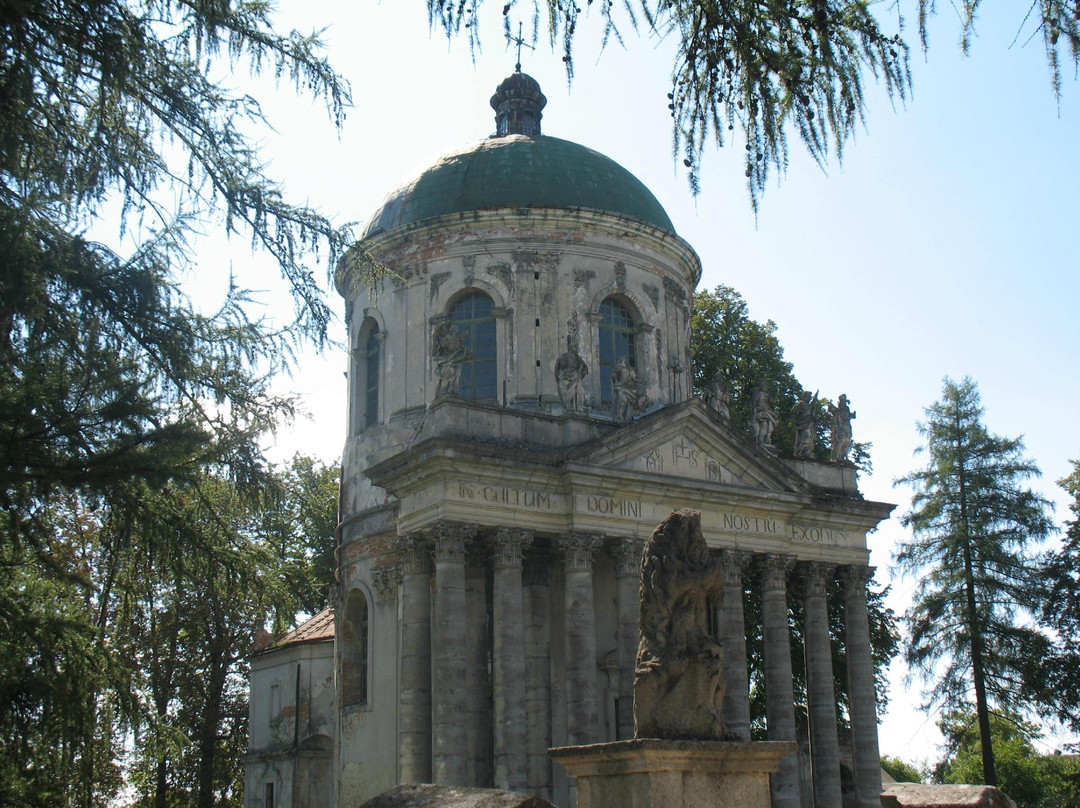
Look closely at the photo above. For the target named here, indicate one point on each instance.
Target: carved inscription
(614, 506)
(744, 523)
(822, 536)
(500, 495)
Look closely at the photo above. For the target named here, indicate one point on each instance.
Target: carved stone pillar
(508, 661)
(477, 676)
(731, 628)
(581, 706)
(779, 690)
(862, 700)
(812, 578)
(627, 553)
(414, 694)
(538, 672)
(449, 725)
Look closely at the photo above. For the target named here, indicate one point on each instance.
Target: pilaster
(414, 693)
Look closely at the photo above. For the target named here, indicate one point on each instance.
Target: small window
(616, 341)
(354, 650)
(474, 315)
(371, 377)
(268, 799)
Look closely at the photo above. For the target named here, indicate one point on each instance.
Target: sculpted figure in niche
(841, 429)
(449, 352)
(570, 370)
(763, 417)
(717, 397)
(626, 398)
(679, 679)
(804, 419)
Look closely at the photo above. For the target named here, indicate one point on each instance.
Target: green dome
(522, 172)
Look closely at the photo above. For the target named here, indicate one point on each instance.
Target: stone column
(862, 699)
(477, 676)
(812, 579)
(449, 733)
(508, 661)
(581, 708)
(779, 691)
(538, 672)
(731, 631)
(414, 694)
(627, 553)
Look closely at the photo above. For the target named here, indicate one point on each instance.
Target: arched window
(616, 341)
(354, 650)
(474, 315)
(371, 377)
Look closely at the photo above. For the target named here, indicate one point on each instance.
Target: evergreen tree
(770, 69)
(973, 524)
(1054, 673)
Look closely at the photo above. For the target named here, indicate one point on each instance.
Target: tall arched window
(616, 341)
(474, 315)
(354, 650)
(371, 377)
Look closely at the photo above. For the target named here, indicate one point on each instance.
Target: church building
(521, 417)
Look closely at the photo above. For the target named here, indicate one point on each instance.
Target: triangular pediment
(689, 442)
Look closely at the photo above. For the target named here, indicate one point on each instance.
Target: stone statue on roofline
(840, 438)
(763, 417)
(804, 419)
(679, 678)
(717, 397)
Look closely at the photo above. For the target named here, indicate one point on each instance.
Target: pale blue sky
(944, 245)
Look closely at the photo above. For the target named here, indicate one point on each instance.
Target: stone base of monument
(655, 773)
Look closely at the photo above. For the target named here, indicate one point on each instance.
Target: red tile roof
(319, 628)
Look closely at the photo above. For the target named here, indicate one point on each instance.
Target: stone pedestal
(653, 773)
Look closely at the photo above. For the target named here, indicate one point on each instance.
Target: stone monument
(676, 758)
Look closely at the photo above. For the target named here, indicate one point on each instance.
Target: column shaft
(581, 704)
(862, 700)
(414, 694)
(731, 628)
(538, 673)
(779, 690)
(508, 661)
(477, 676)
(627, 554)
(813, 577)
(449, 705)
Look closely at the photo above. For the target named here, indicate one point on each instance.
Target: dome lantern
(518, 103)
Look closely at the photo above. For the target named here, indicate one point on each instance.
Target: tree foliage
(728, 341)
(1053, 677)
(900, 770)
(1031, 779)
(973, 524)
(118, 390)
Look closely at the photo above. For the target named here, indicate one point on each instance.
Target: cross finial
(518, 40)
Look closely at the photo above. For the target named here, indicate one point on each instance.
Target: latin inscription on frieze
(613, 506)
(746, 523)
(821, 536)
(501, 495)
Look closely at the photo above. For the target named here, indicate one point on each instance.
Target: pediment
(688, 442)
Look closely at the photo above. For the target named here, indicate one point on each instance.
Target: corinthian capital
(509, 547)
(854, 578)
(773, 569)
(415, 553)
(627, 555)
(449, 540)
(812, 577)
(578, 550)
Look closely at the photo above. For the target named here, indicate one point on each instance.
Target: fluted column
(812, 579)
(508, 660)
(779, 691)
(581, 708)
(862, 699)
(477, 676)
(731, 628)
(414, 693)
(448, 683)
(538, 672)
(627, 554)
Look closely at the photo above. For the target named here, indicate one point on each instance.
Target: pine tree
(973, 524)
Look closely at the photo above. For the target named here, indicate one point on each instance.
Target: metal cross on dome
(518, 40)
